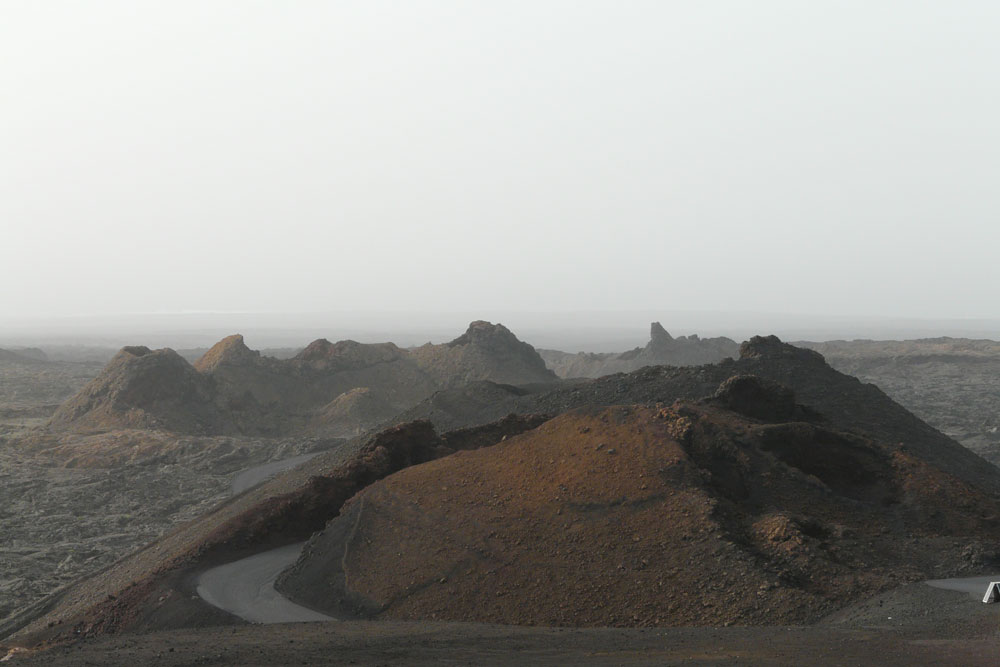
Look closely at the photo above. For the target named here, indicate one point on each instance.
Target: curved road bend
(975, 586)
(245, 588)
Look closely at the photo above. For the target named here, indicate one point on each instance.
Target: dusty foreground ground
(914, 625)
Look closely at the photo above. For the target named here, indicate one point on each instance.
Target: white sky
(840, 157)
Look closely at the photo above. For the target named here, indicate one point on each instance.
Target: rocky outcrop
(757, 398)
(771, 347)
(662, 350)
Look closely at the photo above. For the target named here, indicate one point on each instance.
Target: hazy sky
(814, 157)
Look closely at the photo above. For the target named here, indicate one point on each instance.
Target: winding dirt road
(245, 587)
(975, 586)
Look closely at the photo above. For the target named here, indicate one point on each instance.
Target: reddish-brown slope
(644, 516)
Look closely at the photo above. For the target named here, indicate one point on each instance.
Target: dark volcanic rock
(844, 401)
(771, 347)
(658, 336)
(756, 397)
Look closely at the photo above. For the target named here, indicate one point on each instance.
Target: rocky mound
(352, 413)
(662, 350)
(230, 351)
(233, 389)
(648, 516)
(347, 355)
(143, 388)
(484, 352)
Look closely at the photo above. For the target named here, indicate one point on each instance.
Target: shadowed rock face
(662, 350)
(756, 397)
(233, 389)
(771, 347)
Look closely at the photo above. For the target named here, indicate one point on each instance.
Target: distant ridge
(661, 350)
(232, 389)
(26, 355)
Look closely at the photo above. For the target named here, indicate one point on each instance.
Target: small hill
(352, 413)
(484, 352)
(143, 388)
(744, 508)
(347, 355)
(662, 350)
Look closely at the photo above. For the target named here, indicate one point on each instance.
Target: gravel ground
(385, 643)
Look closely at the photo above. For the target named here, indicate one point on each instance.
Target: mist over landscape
(520, 333)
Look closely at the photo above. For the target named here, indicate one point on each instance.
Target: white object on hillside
(992, 593)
